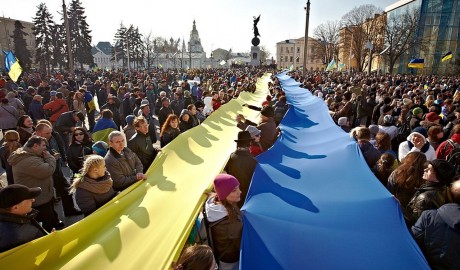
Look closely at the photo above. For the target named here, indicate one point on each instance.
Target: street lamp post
(127, 49)
(67, 36)
(307, 20)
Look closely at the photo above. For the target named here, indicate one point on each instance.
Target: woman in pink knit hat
(225, 222)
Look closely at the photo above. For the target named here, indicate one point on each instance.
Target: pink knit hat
(224, 184)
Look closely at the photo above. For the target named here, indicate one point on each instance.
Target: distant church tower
(195, 41)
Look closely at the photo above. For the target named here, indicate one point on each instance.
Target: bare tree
(149, 45)
(327, 47)
(400, 36)
(364, 27)
(264, 53)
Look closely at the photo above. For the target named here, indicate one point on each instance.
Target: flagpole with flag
(446, 57)
(332, 65)
(417, 63)
(12, 66)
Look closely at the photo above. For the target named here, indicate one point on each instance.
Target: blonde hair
(90, 162)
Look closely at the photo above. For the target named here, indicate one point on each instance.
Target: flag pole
(307, 19)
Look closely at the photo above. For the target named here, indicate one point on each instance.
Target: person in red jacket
(56, 107)
(447, 146)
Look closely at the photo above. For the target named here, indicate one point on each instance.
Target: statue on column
(256, 30)
(256, 40)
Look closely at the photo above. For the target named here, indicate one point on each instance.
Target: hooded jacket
(437, 232)
(226, 234)
(406, 147)
(33, 170)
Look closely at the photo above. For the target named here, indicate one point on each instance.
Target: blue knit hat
(100, 147)
(421, 130)
(130, 119)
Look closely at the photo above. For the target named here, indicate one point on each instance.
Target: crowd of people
(406, 126)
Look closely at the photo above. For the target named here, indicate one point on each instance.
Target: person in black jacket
(17, 218)
(141, 143)
(437, 233)
(81, 146)
(66, 123)
(242, 164)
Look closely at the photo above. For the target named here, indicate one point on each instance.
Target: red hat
(432, 116)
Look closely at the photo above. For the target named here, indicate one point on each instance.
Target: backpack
(454, 156)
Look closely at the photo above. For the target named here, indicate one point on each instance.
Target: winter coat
(445, 147)
(9, 116)
(406, 147)
(268, 132)
(142, 146)
(65, 123)
(430, 195)
(115, 110)
(33, 170)
(16, 230)
(168, 136)
(370, 153)
(5, 165)
(241, 165)
(123, 168)
(54, 107)
(76, 155)
(437, 232)
(94, 193)
(36, 111)
(226, 234)
(163, 115)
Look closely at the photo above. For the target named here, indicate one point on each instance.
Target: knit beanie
(444, 171)
(224, 184)
(100, 147)
(417, 111)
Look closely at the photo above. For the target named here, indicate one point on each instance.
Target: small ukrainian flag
(416, 63)
(446, 57)
(12, 66)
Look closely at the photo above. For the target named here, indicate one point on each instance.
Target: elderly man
(34, 166)
(17, 218)
(437, 231)
(123, 164)
(241, 163)
(141, 143)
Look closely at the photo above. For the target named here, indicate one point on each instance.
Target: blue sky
(221, 23)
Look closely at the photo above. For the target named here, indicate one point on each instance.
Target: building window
(285, 58)
(282, 49)
(292, 59)
(298, 49)
(287, 50)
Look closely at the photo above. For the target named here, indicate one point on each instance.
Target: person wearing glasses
(81, 146)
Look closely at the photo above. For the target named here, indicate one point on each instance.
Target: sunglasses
(78, 134)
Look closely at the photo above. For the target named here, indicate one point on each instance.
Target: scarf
(99, 186)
